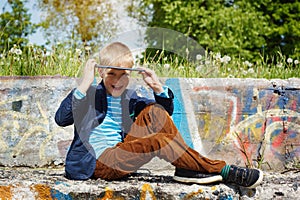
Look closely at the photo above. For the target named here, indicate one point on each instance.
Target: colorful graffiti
(260, 123)
(45, 192)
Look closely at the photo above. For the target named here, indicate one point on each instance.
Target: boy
(116, 131)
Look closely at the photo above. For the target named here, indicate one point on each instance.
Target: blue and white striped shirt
(107, 134)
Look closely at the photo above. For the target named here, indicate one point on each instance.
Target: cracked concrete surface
(153, 181)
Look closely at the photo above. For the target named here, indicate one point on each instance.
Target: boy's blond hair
(116, 54)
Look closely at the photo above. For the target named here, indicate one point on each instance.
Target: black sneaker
(190, 176)
(245, 177)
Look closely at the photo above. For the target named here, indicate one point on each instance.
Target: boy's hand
(152, 80)
(88, 76)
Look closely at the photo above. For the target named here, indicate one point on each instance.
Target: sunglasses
(119, 68)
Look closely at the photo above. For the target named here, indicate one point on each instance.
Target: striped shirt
(107, 134)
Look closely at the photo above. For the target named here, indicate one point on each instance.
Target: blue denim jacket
(89, 112)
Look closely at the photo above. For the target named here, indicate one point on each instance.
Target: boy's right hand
(88, 76)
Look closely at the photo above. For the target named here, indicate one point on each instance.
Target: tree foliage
(241, 28)
(85, 20)
(15, 25)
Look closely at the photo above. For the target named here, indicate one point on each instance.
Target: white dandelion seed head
(166, 66)
(289, 60)
(198, 57)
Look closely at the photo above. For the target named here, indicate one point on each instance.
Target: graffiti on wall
(43, 191)
(261, 124)
(27, 131)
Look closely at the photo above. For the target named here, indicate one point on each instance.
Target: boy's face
(115, 81)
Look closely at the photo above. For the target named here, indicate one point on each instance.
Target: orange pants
(152, 134)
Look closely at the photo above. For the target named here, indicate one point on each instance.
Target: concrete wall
(237, 120)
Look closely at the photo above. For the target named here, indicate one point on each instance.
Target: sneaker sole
(212, 179)
(259, 180)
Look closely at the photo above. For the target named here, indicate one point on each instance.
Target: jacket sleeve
(64, 114)
(167, 103)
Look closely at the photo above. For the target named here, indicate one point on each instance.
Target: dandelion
(12, 50)
(199, 68)
(218, 56)
(165, 58)
(15, 50)
(279, 65)
(226, 59)
(198, 57)
(166, 66)
(251, 70)
(296, 62)
(18, 51)
(289, 60)
(247, 63)
(181, 67)
(207, 62)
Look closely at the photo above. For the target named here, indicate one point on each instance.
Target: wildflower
(296, 62)
(181, 67)
(279, 65)
(226, 59)
(251, 70)
(247, 63)
(207, 62)
(218, 56)
(165, 58)
(166, 66)
(198, 57)
(12, 50)
(289, 60)
(18, 51)
(198, 68)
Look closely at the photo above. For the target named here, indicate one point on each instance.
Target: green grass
(35, 61)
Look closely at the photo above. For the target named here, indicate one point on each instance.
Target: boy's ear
(101, 72)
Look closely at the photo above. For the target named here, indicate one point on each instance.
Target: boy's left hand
(152, 80)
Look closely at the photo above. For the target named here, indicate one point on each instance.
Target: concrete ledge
(254, 120)
(29, 184)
